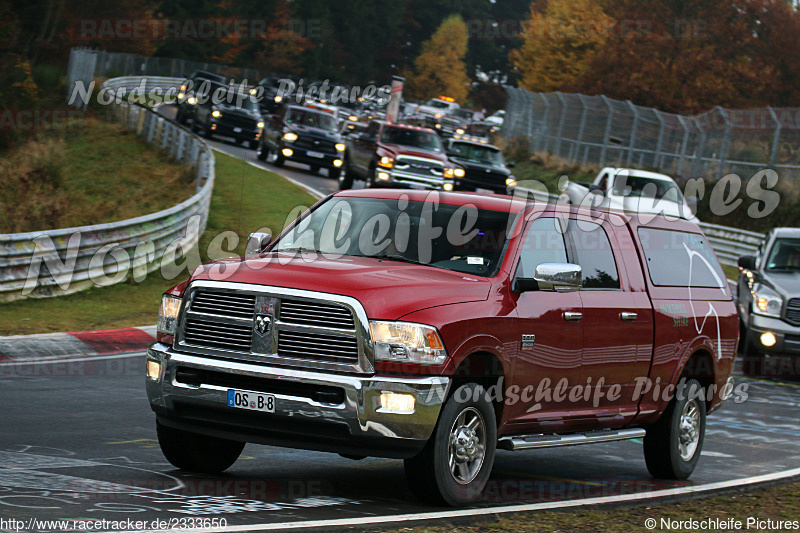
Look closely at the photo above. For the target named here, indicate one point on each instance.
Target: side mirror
(558, 277)
(747, 262)
(511, 164)
(257, 242)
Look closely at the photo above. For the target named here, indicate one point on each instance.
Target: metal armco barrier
(63, 261)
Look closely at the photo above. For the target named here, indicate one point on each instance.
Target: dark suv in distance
(304, 135)
(482, 166)
(768, 298)
(224, 111)
(187, 98)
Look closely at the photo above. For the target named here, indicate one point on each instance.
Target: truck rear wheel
(197, 453)
(455, 464)
(672, 445)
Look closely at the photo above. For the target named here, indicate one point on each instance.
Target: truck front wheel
(672, 445)
(197, 453)
(455, 464)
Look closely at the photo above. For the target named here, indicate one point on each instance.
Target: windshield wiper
(300, 249)
(400, 258)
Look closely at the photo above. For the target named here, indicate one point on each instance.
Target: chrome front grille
(234, 337)
(416, 165)
(318, 347)
(793, 311)
(274, 325)
(224, 304)
(316, 314)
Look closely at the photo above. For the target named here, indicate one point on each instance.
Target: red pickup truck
(435, 327)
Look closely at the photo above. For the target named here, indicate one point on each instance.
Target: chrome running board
(527, 442)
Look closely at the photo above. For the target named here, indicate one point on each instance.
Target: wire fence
(600, 131)
(86, 64)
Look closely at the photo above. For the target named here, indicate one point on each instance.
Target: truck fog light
(768, 339)
(401, 403)
(213, 126)
(337, 162)
(153, 370)
(511, 182)
(287, 152)
(447, 186)
(383, 176)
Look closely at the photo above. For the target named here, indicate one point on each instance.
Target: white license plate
(315, 154)
(255, 401)
(237, 130)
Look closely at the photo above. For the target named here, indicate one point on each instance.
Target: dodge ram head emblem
(263, 324)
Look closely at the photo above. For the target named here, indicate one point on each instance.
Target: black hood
(316, 133)
(481, 167)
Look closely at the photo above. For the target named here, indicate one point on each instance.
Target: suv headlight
(407, 342)
(216, 113)
(767, 303)
(340, 147)
(289, 136)
(386, 162)
(458, 172)
(168, 314)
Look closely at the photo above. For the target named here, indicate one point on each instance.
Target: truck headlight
(278, 99)
(168, 314)
(260, 124)
(407, 342)
(289, 136)
(459, 172)
(767, 303)
(448, 172)
(191, 100)
(386, 162)
(340, 147)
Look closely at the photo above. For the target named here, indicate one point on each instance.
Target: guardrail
(62, 261)
(728, 243)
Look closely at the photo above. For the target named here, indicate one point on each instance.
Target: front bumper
(237, 132)
(410, 180)
(301, 155)
(787, 336)
(353, 425)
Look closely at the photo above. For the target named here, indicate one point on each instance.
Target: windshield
(438, 104)
(311, 119)
(459, 238)
(424, 140)
(477, 153)
(625, 185)
(785, 255)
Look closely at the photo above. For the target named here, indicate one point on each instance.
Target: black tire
(752, 360)
(279, 159)
(369, 180)
(672, 445)
(262, 152)
(346, 176)
(334, 172)
(465, 437)
(197, 453)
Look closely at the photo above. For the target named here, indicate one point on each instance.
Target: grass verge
(779, 503)
(98, 172)
(245, 199)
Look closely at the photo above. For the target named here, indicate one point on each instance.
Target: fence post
(607, 134)
(657, 159)
(698, 158)
(541, 144)
(684, 144)
(723, 155)
(773, 153)
(562, 101)
(581, 128)
(634, 131)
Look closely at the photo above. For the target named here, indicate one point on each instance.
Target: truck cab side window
(592, 251)
(543, 244)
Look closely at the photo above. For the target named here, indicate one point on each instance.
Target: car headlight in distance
(168, 314)
(260, 124)
(289, 136)
(353, 118)
(386, 162)
(216, 113)
(511, 182)
(191, 100)
(768, 304)
(458, 172)
(406, 342)
(340, 147)
(278, 99)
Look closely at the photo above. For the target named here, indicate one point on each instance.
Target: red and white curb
(58, 346)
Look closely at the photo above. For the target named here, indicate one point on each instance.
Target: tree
(440, 68)
(559, 43)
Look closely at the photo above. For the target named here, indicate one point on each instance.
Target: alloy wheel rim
(689, 430)
(467, 446)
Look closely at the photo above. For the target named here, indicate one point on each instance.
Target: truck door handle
(572, 316)
(628, 317)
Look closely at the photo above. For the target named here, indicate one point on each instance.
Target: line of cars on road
(351, 139)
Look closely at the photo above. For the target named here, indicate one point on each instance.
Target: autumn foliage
(439, 68)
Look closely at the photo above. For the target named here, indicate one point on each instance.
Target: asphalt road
(78, 442)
